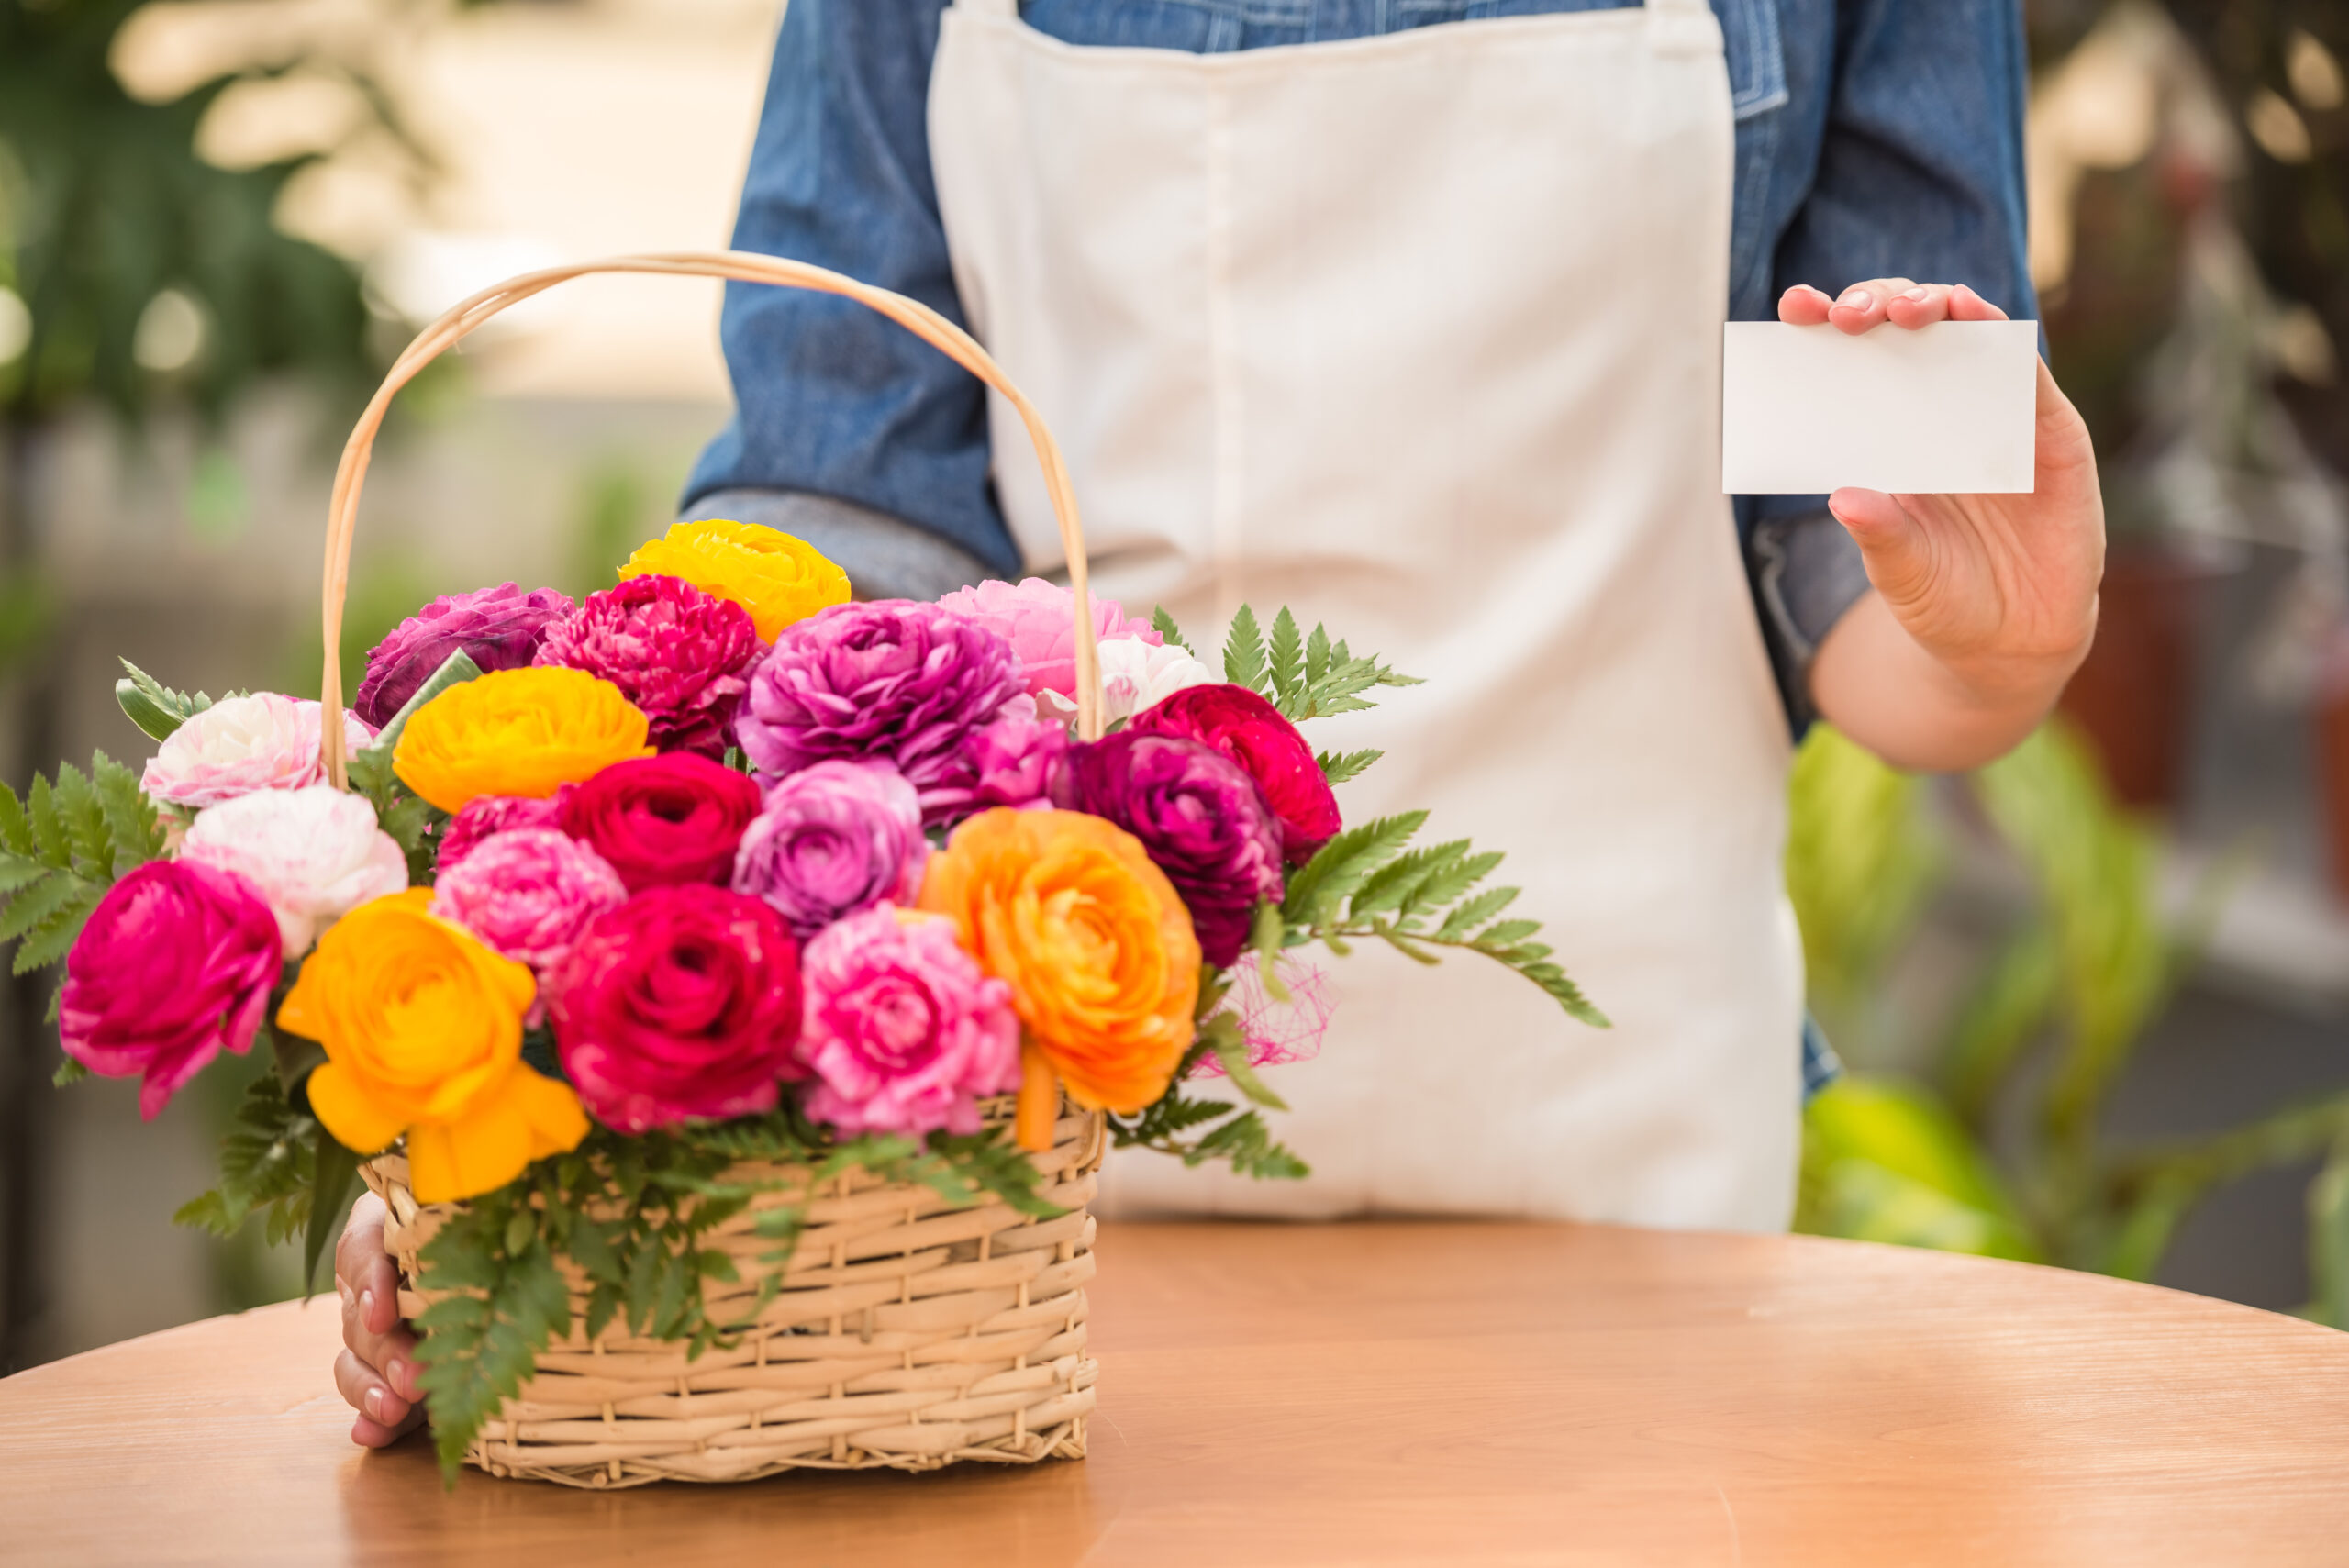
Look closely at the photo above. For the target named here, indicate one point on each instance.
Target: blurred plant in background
(1977, 1128)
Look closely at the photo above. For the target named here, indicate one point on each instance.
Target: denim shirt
(1874, 138)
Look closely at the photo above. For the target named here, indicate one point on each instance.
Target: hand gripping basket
(907, 1333)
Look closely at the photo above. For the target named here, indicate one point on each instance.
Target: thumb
(1891, 542)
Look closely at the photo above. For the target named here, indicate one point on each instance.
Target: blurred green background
(2094, 1000)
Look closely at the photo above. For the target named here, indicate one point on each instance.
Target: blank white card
(1948, 408)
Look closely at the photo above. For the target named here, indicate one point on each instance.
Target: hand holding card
(1969, 484)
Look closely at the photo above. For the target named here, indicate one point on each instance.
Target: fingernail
(1855, 297)
(395, 1374)
(373, 1401)
(1919, 294)
(367, 1306)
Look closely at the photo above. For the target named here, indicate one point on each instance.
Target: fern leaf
(1243, 653)
(1330, 877)
(1338, 766)
(1168, 629)
(16, 828)
(132, 823)
(1287, 669)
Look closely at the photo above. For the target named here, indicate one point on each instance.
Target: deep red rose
(663, 820)
(683, 1002)
(1252, 732)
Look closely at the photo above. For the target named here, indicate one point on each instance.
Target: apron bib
(1420, 335)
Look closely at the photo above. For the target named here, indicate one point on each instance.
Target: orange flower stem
(1040, 1099)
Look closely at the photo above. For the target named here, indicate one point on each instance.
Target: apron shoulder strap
(1681, 7)
(1012, 7)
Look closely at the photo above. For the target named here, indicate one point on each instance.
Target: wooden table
(1383, 1393)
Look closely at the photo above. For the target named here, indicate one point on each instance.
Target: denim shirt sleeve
(831, 399)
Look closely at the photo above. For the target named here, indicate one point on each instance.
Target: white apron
(1420, 335)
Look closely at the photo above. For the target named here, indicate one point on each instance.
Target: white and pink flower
(239, 745)
(315, 854)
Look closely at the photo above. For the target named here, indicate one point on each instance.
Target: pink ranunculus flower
(901, 1031)
(833, 839)
(1134, 675)
(315, 853)
(486, 814)
(529, 893)
(174, 967)
(242, 744)
(1039, 619)
(1005, 762)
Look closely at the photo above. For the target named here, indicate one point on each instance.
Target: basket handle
(342, 513)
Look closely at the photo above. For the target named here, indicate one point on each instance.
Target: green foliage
(635, 1214)
(1338, 766)
(61, 846)
(269, 1165)
(406, 815)
(2051, 1017)
(1367, 884)
(1166, 628)
(2329, 1237)
(1305, 677)
(1885, 1160)
(154, 706)
(105, 203)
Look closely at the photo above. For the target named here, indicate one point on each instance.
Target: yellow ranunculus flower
(1095, 942)
(525, 732)
(422, 1027)
(775, 577)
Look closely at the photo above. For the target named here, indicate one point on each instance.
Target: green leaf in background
(1166, 628)
(1887, 1161)
(154, 706)
(2329, 1239)
(334, 1176)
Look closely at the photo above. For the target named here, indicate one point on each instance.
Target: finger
(361, 1242)
(1919, 306)
(1862, 306)
(1803, 305)
(1892, 546)
(389, 1353)
(369, 1433)
(367, 1393)
(1965, 305)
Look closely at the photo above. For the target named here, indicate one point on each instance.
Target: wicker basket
(908, 1333)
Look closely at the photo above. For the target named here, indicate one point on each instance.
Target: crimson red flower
(680, 654)
(680, 1003)
(663, 820)
(1252, 732)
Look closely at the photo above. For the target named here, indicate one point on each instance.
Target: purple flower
(1198, 816)
(174, 967)
(832, 840)
(487, 814)
(893, 680)
(682, 655)
(901, 1031)
(1008, 763)
(499, 628)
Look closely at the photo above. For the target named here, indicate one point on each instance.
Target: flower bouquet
(732, 988)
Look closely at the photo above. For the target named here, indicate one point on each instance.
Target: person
(1408, 317)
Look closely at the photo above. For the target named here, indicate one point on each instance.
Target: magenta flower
(176, 966)
(487, 814)
(680, 654)
(680, 1003)
(530, 893)
(903, 1032)
(499, 628)
(669, 819)
(1039, 619)
(893, 680)
(1199, 816)
(1008, 763)
(833, 839)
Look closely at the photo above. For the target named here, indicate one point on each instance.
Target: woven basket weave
(908, 1333)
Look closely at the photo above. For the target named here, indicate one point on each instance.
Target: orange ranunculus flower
(1098, 949)
(775, 577)
(422, 1027)
(526, 732)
